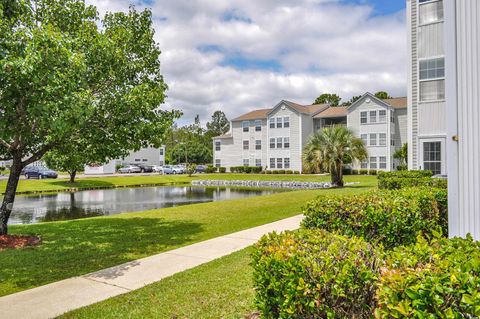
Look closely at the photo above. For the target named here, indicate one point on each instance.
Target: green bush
(210, 169)
(275, 172)
(402, 167)
(288, 171)
(315, 274)
(247, 169)
(355, 172)
(222, 169)
(372, 172)
(256, 169)
(431, 279)
(347, 171)
(391, 218)
(404, 179)
(364, 171)
(268, 172)
(296, 172)
(405, 174)
(281, 171)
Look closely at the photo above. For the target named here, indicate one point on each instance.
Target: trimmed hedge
(436, 279)
(246, 169)
(315, 274)
(210, 169)
(404, 179)
(391, 218)
(222, 169)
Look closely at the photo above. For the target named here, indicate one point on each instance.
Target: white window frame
(258, 125)
(373, 162)
(364, 138)
(272, 144)
(272, 162)
(218, 162)
(245, 126)
(246, 145)
(246, 162)
(286, 142)
(258, 162)
(279, 143)
(370, 117)
(279, 162)
(271, 122)
(427, 80)
(382, 162)
(258, 146)
(363, 117)
(279, 122)
(374, 140)
(382, 141)
(442, 151)
(382, 118)
(286, 121)
(218, 146)
(286, 162)
(425, 3)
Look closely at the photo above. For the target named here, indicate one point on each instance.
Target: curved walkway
(57, 298)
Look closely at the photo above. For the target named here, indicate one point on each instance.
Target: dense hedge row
(246, 169)
(431, 279)
(391, 218)
(403, 179)
(315, 274)
(282, 171)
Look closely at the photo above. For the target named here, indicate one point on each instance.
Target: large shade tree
(328, 150)
(64, 73)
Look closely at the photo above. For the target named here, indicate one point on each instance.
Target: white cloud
(321, 46)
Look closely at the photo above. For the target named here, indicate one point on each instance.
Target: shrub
(268, 172)
(431, 279)
(288, 171)
(364, 171)
(402, 167)
(391, 218)
(296, 172)
(222, 169)
(355, 172)
(210, 169)
(247, 169)
(315, 274)
(256, 169)
(405, 174)
(372, 172)
(275, 172)
(404, 179)
(281, 171)
(347, 171)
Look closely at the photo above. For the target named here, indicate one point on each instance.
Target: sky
(241, 55)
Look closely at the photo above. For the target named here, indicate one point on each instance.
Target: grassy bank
(58, 185)
(78, 247)
(222, 288)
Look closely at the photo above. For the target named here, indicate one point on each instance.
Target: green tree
(327, 98)
(68, 159)
(402, 155)
(219, 124)
(64, 73)
(382, 95)
(352, 100)
(326, 150)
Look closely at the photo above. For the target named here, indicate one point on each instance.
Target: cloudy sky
(239, 55)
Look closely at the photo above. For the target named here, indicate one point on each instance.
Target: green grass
(218, 289)
(77, 247)
(58, 185)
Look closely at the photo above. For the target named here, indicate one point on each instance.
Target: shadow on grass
(78, 247)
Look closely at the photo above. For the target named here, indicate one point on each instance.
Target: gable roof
(253, 115)
(303, 109)
(397, 103)
(333, 111)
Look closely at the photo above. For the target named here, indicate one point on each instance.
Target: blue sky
(239, 55)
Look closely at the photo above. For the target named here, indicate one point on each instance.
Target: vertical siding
(414, 87)
(467, 104)
(432, 118)
(430, 40)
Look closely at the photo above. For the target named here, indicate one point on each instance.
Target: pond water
(64, 206)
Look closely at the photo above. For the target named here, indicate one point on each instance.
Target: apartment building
(427, 116)
(275, 138)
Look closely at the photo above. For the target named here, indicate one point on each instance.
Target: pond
(89, 203)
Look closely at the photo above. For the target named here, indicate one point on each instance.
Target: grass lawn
(78, 247)
(56, 185)
(219, 289)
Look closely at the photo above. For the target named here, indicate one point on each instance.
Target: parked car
(168, 169)
(179, 169)
(144, 168)
(157, 169)
(129, 169)
(39, 172)
(200, 168)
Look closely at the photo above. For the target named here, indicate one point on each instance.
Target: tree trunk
(11, 189)
(337, 175)
(72, 176)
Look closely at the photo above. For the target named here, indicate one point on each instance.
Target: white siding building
(462, 30)
(275, 138)
(426, 89)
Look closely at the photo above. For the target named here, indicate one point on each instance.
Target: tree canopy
(328, 98)
(382, 95)
(65, 73)
(219, 124)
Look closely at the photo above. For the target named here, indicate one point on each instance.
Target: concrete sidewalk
(54, 299)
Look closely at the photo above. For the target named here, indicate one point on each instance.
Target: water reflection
(66, 206)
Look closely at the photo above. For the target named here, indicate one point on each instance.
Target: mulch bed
(18, 241)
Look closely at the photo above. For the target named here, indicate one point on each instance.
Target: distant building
(275, 138)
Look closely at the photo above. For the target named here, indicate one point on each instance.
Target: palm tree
(328, 149)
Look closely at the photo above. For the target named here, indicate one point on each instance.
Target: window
(382, 116)
(245, 145)
(272, 143)
(272, 122)
(432, 90)
(272, 163)
(258, 144)
(363, 117)
(279, 122)
(144, 160)
(382, 139)
(286, 121)
(286, 162)
(373, 163)
(430, 12)
(279, 142)
(246, 162)
(258, 125)
(245, 125)
(364, 138)
(432, 69)
(364, 165)
(286, 142)
(137, 160)
(217, 145)
(432, 157)
(258, 162)
(373, 139)
(279, 163)
(373, 116)
(217, 163)
(162, 151)
(392, 118)
(383, 162)
(392, 140)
